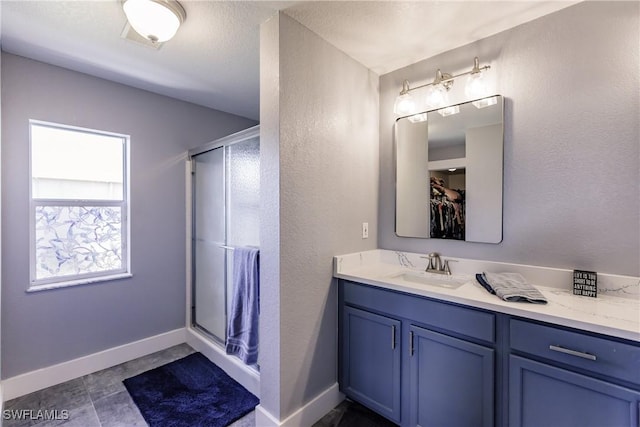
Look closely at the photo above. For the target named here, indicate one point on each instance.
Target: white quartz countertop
(610, 315)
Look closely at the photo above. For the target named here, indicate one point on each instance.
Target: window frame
(124, 204)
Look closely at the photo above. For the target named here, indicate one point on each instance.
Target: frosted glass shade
(476, 86)
(404, 105)
(154, 20)
(437, 96)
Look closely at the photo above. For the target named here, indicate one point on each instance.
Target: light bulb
(436, 96)
(404, 105)
(152, 20)
(476, 86)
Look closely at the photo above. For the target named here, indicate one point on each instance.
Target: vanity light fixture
(155, 20)
(437, 95)
(476, 85)
(437, 92)
(405, 104)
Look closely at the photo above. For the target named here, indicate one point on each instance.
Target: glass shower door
(243, 201)
(226, 206)
(209, 237)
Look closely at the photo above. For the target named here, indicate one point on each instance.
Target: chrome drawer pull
(572, 352)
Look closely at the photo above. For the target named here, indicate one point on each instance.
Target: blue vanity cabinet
(561, 377)
(371, 358)
(415, 360)
(424, 362)
(452, 381)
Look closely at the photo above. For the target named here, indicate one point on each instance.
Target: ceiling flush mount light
(155, 20)
(437, 90)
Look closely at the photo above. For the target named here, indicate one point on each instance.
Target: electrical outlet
(365, 230)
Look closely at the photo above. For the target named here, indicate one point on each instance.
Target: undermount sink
(431, 279)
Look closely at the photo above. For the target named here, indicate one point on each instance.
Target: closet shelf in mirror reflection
(231, 248)
(437, 165)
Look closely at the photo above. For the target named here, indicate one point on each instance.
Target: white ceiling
(214, 58)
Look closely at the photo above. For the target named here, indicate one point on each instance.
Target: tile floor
(352, 414)
(101, 400)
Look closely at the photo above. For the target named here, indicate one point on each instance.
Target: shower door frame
(220, 143)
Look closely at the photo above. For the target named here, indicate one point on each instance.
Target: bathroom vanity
(429, 354)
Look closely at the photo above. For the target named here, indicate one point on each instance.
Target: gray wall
(319, 160)
(49, 327)
(1, 396)
(571, 165)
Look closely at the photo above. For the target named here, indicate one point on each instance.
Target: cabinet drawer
(545, 395)
(465, 321)
(607, 357)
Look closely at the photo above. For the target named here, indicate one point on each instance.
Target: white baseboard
(305, 416)
(247, 377)
(46, 377)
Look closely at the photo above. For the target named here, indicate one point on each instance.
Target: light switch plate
(365, 230)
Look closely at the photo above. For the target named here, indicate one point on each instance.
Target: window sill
(78, 282)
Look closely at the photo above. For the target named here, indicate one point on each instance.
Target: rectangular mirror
(449, 172)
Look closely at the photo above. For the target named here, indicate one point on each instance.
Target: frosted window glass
(76, 165)
(74, 240)
(79, 205)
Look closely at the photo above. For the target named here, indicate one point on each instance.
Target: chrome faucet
(437, 265)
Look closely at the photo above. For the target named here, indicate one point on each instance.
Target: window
(79, 205)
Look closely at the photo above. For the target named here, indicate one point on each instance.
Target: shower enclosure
(225, 185)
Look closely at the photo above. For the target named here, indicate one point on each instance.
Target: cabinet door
(452, 381)
(544, 395)
(371, 361)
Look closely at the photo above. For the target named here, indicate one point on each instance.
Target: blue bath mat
(189, 392)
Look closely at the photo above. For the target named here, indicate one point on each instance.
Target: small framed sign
(585, 283)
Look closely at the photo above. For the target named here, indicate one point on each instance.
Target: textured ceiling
(387, 35)
(214, 58)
